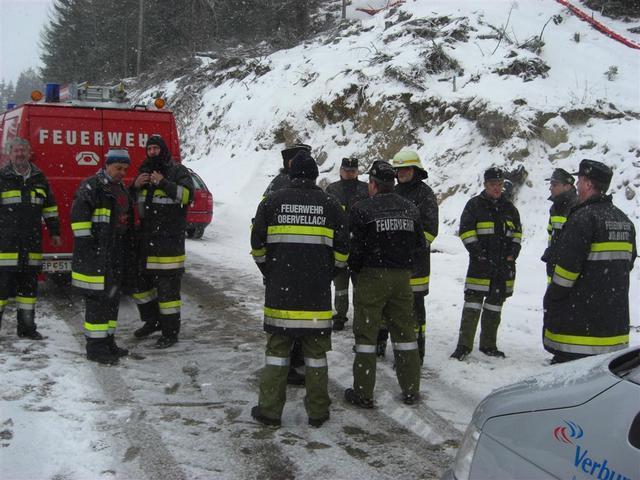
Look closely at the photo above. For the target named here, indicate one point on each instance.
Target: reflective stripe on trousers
(170, 307)
(276, 361)
(315, 362)
(403, 346)
(145, 297)
(26, 303)
(365, 348)
(472, 305)
(492, 308)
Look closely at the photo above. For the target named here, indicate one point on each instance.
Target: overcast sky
(21, 22)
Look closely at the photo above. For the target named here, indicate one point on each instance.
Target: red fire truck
(71, 130)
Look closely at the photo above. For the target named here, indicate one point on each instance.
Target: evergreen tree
(7, 92)
(97, 41)
(28, 81)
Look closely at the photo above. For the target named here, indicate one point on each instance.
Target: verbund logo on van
(92, 138)
(583, 461)
(565, 434)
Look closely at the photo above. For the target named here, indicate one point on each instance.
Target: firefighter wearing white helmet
(411, 175)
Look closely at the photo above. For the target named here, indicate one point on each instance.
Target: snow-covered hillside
(425, 76)
(376, 84)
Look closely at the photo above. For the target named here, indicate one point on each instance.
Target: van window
(627, 366)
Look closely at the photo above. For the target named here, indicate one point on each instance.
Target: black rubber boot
(31, 334)
(410, 398)
(166, 341)
(493, 352)
(114, 348)
(27, 328)
(147, 329)
(98, 351)
(271, 422)
(354, 399)
(461, 352)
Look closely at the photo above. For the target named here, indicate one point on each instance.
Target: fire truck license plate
(56, 266)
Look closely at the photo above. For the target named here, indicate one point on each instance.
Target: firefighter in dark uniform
(386, 240)
(282, 180)
(164, 189)
(298, 240)
(491, 231)
(411, 176)
(564, 198)
(25, 200)
(586, 306)
(347, 191)
(102, 225)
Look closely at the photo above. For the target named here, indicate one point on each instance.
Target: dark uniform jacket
(280, 181)
(385, 233)
(491, 231)
(102, 225)
(298, 239)
(421, 195)
(558, 214)
(348, 193)
(23, 205)
(587, 302)
(162, 210)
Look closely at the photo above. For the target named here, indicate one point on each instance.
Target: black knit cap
(493, 173)
(156, 140)
(349, 163)
(595, 170)
(560, 175)
(159, 141)
(290, 152)
(382, 172)
(303, 166)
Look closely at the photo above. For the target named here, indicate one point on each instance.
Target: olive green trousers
(273, 379)
(384, 294)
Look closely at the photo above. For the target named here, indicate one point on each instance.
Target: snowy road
(184, 412)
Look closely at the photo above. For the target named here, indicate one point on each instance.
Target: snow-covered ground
(184, 413)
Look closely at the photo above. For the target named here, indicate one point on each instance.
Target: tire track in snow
(155, 460)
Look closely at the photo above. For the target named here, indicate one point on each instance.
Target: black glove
(263, 268)
(511, 269)
(545, 256)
